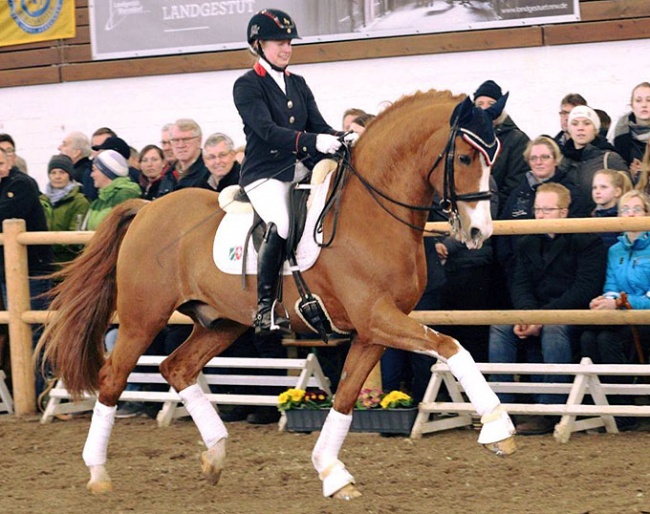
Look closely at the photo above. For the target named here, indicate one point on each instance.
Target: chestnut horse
(148, 259)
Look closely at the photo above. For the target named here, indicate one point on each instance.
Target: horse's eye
(465, 159)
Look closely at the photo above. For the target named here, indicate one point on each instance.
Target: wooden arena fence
(19, 317)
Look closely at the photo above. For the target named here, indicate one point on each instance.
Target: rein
(448, 204)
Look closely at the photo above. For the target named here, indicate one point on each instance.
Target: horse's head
(470, 152)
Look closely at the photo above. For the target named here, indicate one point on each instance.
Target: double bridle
(448, 204)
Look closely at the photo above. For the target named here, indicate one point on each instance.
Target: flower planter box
(387, 421)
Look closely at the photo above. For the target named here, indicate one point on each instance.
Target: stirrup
(276, 323)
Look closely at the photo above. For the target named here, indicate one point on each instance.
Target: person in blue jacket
(284, 132)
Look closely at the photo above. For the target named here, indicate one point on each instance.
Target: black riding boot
(270, 261)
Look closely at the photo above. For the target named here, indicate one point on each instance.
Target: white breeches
(270, 198)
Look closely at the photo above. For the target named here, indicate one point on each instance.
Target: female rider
(283, 128)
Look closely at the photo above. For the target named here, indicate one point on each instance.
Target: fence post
(20, 333)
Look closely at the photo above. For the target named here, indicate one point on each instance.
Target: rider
(283, 128)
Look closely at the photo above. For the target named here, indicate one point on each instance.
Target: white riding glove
(351, 138)
(326, 143)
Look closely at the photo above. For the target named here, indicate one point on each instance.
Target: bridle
(448, 204)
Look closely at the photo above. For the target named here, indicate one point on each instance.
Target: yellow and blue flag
(28, 21)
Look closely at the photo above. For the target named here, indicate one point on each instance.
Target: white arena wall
(38, 117)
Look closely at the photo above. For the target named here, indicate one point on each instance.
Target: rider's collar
(278, 76)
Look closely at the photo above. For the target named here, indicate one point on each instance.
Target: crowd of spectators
(578, 172)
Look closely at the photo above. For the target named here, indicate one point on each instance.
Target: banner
(135, 28)
(36, 20)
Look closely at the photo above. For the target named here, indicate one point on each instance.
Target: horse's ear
(462, 113)
(495, 110)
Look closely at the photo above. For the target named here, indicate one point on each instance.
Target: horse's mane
(408, 104)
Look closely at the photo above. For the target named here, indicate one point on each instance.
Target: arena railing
(19, 317)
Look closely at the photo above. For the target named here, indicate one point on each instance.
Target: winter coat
(581, 165)
(563, 272)
(197, 175)
(118, 191)
(280, 128)
(19, 198)
(609, 238)
(67, 214)
(627, 145)
(510, 166)
(628, 270)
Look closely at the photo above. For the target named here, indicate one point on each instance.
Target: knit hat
(111, 164)
(490, 89)
(583, 111)
(115, 143)
(61, 162)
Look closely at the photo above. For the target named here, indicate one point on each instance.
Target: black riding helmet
(271, 25)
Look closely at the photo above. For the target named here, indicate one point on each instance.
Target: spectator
(543, 156)
(219, 157)
(628, 271)
(566, 106)
(642, 184)
(632, 131)
(607, 189)
(8, 144)
(349, 115)
(134, 159)
(77, 146)
(19, 198)
(360, 123)
(166, 146)
(64, 204)
(605, 123)
(190, 170)
(110, 176)
(152, 164)
(553, 271)
(582, 159)
(510, 166)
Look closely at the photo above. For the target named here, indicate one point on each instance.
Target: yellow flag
(35, 20)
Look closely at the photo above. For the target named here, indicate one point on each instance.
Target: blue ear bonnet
(474, 125)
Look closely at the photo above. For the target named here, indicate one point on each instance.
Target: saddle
(309, 306)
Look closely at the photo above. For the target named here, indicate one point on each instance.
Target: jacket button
(304, 148)
(292, 119)
(290, 104)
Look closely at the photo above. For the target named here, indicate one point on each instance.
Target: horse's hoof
(212, 462)
(502, 448)
(99, 487)
(347, 492)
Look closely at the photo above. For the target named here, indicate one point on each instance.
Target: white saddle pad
(228, 248)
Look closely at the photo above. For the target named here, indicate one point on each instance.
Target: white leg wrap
(204, 415)
(94, 453)
(497, 426)
(464, 368)
(325, 456)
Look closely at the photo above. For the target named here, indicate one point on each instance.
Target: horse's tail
(83, 304)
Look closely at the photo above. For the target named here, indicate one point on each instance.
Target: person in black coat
(219, 157)
(552, 271)
(284, 131)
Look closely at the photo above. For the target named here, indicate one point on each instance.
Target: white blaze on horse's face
(475, 217)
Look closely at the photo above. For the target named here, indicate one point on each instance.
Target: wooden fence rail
(19, 317)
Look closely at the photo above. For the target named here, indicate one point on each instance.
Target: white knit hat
(582, 111)
(111, 164)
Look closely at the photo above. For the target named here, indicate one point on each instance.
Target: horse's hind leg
(181, 370)
(337, 481)
(132, 341)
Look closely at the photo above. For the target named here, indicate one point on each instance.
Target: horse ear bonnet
(475, 126)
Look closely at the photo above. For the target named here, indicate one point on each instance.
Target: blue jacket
(279, 128)
(628, 269)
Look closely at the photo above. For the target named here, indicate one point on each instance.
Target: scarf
(56, 194)
(571, 152)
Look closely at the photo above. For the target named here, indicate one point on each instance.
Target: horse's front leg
(395, 329)
(337, 481)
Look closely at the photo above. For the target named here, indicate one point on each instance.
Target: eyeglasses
(546, 210)
(542, 158)
(222, 155)
(183, 140)
(9, 151)
(564, 113)
(637, 209)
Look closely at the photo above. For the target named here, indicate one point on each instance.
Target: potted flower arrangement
(374, 411)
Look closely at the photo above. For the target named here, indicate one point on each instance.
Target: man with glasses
(552, 271)
(166, 146)
(189, 170)
(219, 157)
